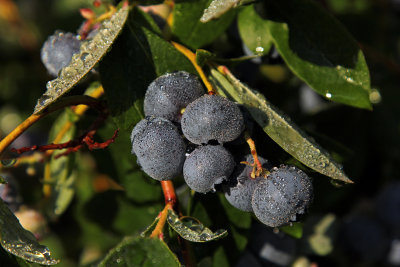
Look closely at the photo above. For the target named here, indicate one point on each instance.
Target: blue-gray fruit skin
(167, 95)
(58, 50)
(240, 192)
(159, 148)
(285, 193)
(207, 166)
(212, 117)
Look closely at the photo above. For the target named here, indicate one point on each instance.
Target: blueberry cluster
(179, 115)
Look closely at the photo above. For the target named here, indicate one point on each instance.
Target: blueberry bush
(199, 133)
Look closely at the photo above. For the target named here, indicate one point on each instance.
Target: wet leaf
(137, 58)
(190, 31)
(279, 127)
(150, 228)
(254, 31)
(217, 8)
(62, 172)
(20, 242)
(91, 52)
(192, 230)
(319, 50)
(135, 251)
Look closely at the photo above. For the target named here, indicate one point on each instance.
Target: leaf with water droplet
(217, 8)
(192, 230)
(137, 251)
(315, 47)
(150, 227)
(20, 242)
(254, 31)
(190, 31)
(279, 127)
(91, 52)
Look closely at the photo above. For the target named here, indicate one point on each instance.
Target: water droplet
(375, 97)
(259, 49)
(328, 95)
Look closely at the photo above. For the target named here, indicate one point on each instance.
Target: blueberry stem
(257, 167)
(158, 230)
(192, 58)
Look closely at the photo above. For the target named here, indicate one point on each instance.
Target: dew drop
(375, 96)
(259, 49)
(328, 95)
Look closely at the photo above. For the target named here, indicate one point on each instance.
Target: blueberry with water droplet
(286, 193)
(206, 167)
(167, 95)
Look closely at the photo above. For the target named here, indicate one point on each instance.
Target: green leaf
(91, 52)
(192, 230)
(254, 31)
(318, 49)
(62, 171)
(137, 58)
(217, 8)
(203, 56)
(294, 229)
(279, 127)
(188, 29)
(20, 242)
(134, 251)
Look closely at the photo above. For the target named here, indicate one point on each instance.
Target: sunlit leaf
(254, 31)
(279, 127)
(217, 8)
(135, 251)
(91, 51)
(20, 242)
(192, 230)
(315, 47)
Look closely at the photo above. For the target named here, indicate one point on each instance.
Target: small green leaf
(192, 230)
(150, 227)
(136, 59)
(294, 229)
(20, 242)
(91, 51)
(254, 31)
(279, 127)
(319, 50)
(188, 29)
(135, 251)
(62, 172)
(203, 56)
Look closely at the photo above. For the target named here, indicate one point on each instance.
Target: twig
(192, 57)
